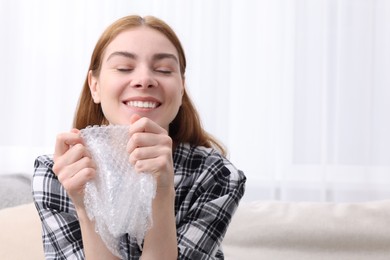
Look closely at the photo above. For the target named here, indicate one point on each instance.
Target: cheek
(179, 93)
(178, 97)
(111, 88)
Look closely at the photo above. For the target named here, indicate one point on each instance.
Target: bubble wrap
(118, 199)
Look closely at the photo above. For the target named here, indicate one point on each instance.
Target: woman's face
(140, 74)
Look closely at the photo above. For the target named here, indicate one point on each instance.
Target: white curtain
(298, 90)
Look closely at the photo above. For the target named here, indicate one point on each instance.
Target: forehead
(142, 41)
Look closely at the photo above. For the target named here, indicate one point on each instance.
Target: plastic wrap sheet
(118, 199)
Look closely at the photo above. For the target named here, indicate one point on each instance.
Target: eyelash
(124, 70)
(165, 72)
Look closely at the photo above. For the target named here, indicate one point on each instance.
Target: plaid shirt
(208, 190)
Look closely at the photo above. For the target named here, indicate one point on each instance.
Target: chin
(119, 122)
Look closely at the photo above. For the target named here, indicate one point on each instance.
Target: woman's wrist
(166, 192)
(82, 214)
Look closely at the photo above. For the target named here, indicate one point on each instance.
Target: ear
(183, 87)
(182, 92)
(94, 87)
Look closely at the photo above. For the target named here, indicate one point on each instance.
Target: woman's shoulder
(186, 151)
(42, 171)
(199, 159)
(196, 156)
(203, 175)
(45, 161)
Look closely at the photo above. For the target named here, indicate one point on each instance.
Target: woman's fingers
(75, 185)
(147, 140)
(151, 153)
(70, 170)
(134, 118)
(159, 167)
(150, 150)
(64, 141)
(75, 176)
(146, 133)
(74, 170)
(73, 164)
(145, 125)
(72, 155)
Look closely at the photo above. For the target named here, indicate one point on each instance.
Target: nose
(143, 78)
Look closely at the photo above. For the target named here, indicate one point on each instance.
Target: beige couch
(259, 230)
(310, 231)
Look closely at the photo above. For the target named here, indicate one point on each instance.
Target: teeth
(142, 104)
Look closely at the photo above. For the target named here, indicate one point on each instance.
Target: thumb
(134, 118)
(75, 131)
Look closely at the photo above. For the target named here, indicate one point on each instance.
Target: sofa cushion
(281, 230)
(20, 233)
(15, 189)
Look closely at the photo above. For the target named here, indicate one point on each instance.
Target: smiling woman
(136, 78)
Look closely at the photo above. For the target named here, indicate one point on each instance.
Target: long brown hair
(186, 127)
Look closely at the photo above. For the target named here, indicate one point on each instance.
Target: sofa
(270, 230)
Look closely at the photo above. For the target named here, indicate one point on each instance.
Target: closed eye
(164, 71)
(124, 69)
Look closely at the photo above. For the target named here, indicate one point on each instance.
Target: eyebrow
(123, 54)
(161, 56)
(156, 57)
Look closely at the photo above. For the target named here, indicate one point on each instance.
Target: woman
(137, 78)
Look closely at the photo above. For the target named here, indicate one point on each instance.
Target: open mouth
(142, 104)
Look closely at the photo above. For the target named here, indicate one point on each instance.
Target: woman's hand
(74, 168)
(73, 165)
(150, 150)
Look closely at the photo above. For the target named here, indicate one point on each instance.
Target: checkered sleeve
(61, 232)
(207, 206)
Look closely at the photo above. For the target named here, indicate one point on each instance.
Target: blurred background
(298, 90)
